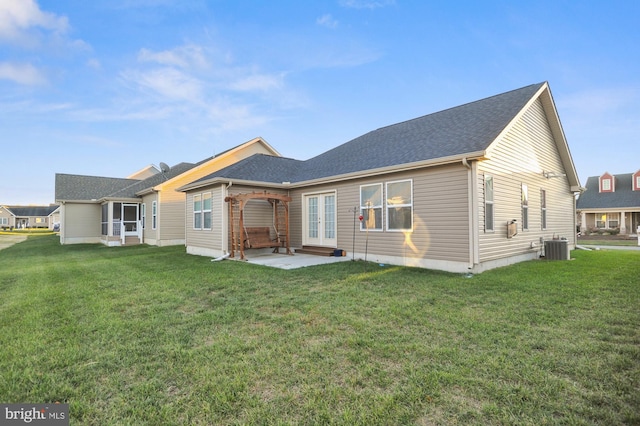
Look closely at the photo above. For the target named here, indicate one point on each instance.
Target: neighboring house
(610, 202)
(144, 208)
(28, 216)
(439, 191)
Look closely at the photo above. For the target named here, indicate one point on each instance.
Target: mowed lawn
(146, 335)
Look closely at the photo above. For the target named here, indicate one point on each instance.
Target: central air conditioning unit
(556, 250)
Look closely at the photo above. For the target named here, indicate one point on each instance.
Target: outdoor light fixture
(550, 175)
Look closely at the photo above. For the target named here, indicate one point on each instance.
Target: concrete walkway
(9, 240)
(598, 247)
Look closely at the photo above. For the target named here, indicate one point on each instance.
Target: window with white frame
(206, 210)
(4, 220)
(105, 219)
(525, 207)
(154, 214)
(197, 211)
(371, 207)
(143, 213)
(606, 184)
(543, 209)
(488, 203)
(638, 182)
(400, 205)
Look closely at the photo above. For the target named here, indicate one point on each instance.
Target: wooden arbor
(243, 237)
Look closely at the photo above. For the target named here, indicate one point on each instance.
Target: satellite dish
(164, 168)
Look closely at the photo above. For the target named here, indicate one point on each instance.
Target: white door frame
(323, 220)
(133, 232)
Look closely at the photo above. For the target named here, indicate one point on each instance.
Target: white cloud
(327, 20)
(25, 74)
(18, 17)
(167, 82)
(183, 57)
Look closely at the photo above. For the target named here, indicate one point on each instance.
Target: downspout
(472, 182)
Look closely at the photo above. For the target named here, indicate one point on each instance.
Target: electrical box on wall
(512, 228)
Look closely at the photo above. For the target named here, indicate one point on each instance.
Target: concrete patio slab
(284, 261)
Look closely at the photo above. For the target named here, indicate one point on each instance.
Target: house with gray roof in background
(29, 216)
(142, 208)
(466, 189)
(610, 203)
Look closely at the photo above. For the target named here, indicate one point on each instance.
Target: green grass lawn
(147, 335)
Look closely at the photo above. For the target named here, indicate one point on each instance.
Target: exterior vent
(556, 250)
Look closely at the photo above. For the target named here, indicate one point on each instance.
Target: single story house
(28, 216)
(142, 208)
(610, 202)
(466, 189)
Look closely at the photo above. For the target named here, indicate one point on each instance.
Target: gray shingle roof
(624, 196)
(32, 211)
(260, 168)
(80, 187)
(456, 131)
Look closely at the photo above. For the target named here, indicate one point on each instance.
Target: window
(525, 207)
(602, 223)
(488, 203)
(197, 211)
(637, 183)
(206, 210)
(400, 206)
(371, 207)
(606, 184)
(143, 213)
(543, 209)
(105, 219)
(154, 214)
(4, 220)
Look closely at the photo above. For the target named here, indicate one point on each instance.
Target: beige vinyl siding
(440, 216)
(520, 157)
(149, 234)
(208, 238)
(171, 203)
(8, 216)
(86, 220)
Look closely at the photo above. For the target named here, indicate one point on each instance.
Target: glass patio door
(320, 220)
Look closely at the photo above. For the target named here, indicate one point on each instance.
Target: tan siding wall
(172, 203)
(522, 156)
(149, 232)
(440, 212)
(85, 220)
(10, 218)
(207, 238)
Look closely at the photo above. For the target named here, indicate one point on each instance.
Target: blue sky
(106, 88)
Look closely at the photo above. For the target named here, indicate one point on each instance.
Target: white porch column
(623, 225)
(583, 221)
